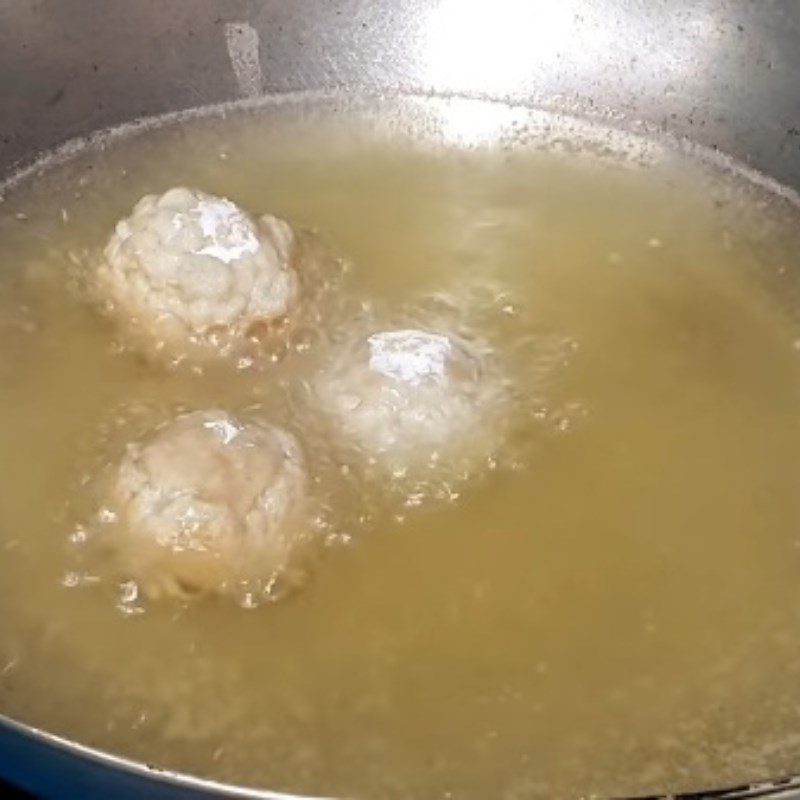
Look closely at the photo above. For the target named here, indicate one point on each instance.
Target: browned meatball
(206, 503)
(193, 275)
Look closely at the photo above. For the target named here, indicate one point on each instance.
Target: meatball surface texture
(192, 274)
(408, 396)
(208, 502)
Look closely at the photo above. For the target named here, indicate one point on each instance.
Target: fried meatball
(208, 502)
(190, 274)
(404, 397)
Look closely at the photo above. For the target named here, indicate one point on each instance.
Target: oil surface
(619, 613)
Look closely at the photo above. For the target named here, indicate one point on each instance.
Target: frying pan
(722, 73)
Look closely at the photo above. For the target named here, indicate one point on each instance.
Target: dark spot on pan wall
(56, 97)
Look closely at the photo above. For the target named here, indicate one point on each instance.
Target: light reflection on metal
(488, 47)
(470, 123)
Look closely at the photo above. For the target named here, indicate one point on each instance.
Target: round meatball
(190, 273)
(409, 396)
(208, 504)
